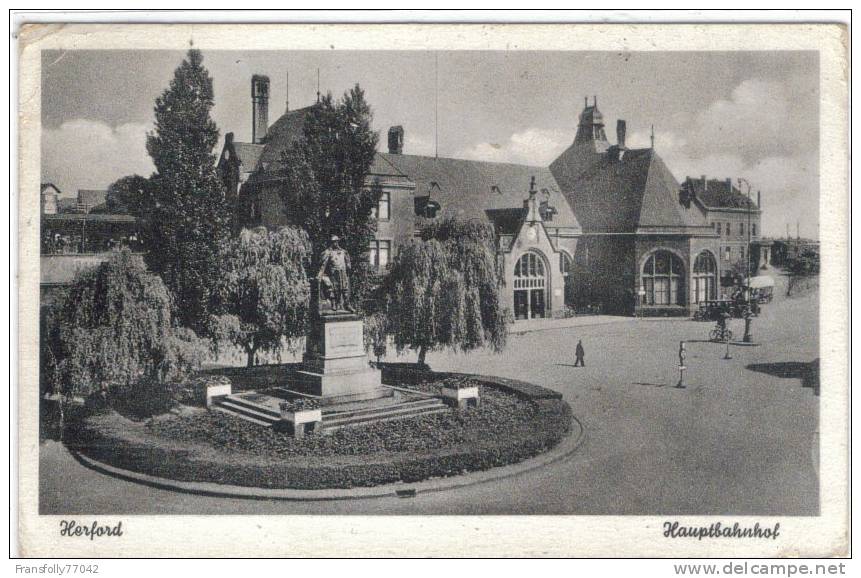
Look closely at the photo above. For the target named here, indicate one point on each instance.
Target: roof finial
(532, 185)
(318, 85)
(595, 102)
(287, 98)
(652, 137)
(585, 102)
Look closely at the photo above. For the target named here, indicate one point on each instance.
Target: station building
(603, 228)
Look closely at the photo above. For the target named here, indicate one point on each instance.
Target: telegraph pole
(748, 316)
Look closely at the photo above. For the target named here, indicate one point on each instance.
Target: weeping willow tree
(264, 290)
(114, 332)
(443, 291)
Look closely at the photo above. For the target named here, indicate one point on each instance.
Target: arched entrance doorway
(705, 277)
(663, 278)
(530, 287)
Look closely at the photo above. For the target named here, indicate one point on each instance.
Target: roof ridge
(498, 163)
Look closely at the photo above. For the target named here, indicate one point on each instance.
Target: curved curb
(565, 448)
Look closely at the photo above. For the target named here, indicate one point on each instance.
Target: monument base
(342, 387)
(335, 364)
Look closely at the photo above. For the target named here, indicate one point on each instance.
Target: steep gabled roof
(281, 135)
(91, 197)
(716, 193)
(507, 221)
(627, 192)
(572, 163)
(248, 155)
(467, 188)
(46, 186)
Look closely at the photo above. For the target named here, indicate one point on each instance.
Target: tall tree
(190, 217)
(443, 291)
(131, 194)
(264, 290)
(325, 188)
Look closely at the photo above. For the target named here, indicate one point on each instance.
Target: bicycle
(720, 334)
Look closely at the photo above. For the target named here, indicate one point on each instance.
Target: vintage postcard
(433, 290)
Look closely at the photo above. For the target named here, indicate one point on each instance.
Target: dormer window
(431, 209)
(495, 189)
(546, 211)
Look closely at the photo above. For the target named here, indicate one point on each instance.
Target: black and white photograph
(527, 279)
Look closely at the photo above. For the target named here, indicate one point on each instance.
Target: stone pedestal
(335, 365)
(460, 397)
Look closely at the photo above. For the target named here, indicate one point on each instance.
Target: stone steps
(249, 412)
(333, 419)
(336, 420)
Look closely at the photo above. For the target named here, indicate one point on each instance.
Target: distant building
(77, 235)
(788, 249)
(735, 219)
(90, 200)
(48, 201)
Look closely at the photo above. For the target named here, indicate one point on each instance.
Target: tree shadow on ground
(808, 373)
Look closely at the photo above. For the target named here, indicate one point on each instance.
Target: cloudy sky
(722, 114)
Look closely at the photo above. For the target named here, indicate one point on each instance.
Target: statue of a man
(334, 275)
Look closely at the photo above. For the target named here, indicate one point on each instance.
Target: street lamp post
(748, 317)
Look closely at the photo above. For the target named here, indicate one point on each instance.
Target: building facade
(536, 247)
(603, 228)
(646, 248)
(737, 221)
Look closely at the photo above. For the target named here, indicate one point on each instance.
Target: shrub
(113, 332)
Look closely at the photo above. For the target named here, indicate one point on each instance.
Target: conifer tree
(189, 219)
(325, 190)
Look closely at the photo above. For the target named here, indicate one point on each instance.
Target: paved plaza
(739, 440)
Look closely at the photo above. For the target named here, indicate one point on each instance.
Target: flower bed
(197, 445)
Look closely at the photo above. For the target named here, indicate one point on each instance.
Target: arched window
(705, 277)
(664, 279)
(530, 282)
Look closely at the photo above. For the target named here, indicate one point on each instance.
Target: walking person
(579, 353)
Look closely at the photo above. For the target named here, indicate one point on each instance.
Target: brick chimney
(621, 129)
(259, 107)
(396, 140)
(729, 184)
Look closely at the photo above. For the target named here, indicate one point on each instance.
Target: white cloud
(789, 183)
(758, 120)
(756, 135)
(87, 154)
(533, 146)
(415, 145)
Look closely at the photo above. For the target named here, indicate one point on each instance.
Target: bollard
(727, 355)
(682, 368)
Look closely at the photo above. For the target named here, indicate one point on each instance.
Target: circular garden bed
(515, 421)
